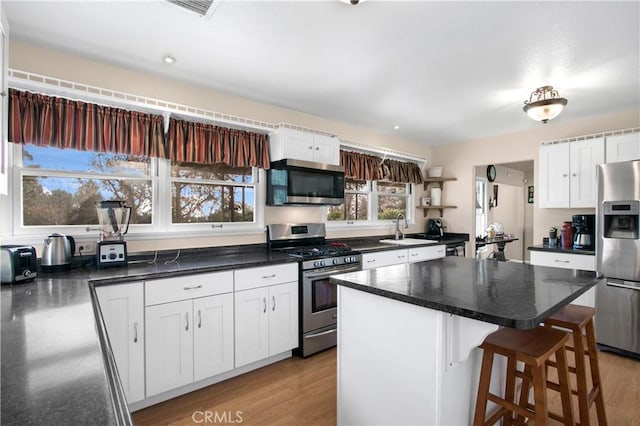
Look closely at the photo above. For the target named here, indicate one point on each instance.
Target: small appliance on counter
(18, 264)
(584, 236)
(57, 252)
(114, 217)
(435, 227)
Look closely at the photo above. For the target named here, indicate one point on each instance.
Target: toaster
(18, 264)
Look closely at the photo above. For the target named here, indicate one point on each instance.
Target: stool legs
(595, 373)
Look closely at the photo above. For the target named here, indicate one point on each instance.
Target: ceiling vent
(201, 7)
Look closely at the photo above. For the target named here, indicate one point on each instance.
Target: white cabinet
(569, 261)
(289, 143)
(266, 312)
(567, 173)
(379, 259)
(189, 329)
(394, 257)
(623, 147)
(122, 309)
(420, 254)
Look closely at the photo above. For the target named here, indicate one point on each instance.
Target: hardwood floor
(300, 391)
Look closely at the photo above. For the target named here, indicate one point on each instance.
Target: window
(58, 189)
(372, 203)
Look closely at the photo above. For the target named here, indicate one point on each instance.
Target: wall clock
(491, 172)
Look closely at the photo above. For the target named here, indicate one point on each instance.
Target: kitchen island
(408, 334)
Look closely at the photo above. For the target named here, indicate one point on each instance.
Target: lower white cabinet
(191, 339)
(266, 313)
(122, 309)
(584, 262)
(395, 257)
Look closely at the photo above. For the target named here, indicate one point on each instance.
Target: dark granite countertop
(54, 361)
(504, 293)
(569, 250)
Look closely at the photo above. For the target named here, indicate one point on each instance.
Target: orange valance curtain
(63, 123)
(400, 171)
(370, 167)
(361, 166)
(208, 144)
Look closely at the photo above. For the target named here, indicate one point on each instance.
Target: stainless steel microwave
(297, 182)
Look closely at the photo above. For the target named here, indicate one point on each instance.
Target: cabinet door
(585, 156)
(553, 175)
(169, 346)
(564, 260)
(296, 144)
(283, 317)
(326, 149)
(251, 325)
(212, 335)
(122, 309)
(623, 147)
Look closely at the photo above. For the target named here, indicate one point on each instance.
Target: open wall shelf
(440, 183)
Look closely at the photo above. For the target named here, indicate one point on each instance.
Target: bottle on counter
(566, 234)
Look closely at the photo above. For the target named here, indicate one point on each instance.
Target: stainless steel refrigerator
(618, 257)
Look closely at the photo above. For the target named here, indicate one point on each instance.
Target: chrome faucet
(399, 232)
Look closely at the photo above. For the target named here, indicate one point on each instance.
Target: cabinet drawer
(187, 287)
(419, 254)
(264, 276)
(383, 258)
(563, 260)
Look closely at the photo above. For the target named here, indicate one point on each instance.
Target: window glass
(356, 202)
(392, 200)
(215, 193)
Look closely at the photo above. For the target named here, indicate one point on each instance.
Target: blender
(114, 217)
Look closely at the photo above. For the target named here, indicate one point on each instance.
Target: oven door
(320, 297)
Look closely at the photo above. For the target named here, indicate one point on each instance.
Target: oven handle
(332, 272)
(322, 333)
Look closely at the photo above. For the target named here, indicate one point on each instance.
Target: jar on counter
(566, 235)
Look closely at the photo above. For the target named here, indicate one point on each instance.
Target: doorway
(507, 200)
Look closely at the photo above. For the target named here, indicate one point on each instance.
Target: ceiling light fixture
(169, 60)
(544, 104)
(396, 127)
(353, 2)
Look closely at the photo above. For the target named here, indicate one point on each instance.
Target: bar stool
(532, 347)
(579, 320)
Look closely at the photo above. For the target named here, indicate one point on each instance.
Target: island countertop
(503, 293)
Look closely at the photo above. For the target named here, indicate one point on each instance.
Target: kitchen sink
(408, 241)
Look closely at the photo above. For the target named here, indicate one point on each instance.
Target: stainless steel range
(318, 297)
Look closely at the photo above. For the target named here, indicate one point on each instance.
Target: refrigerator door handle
(630, 285)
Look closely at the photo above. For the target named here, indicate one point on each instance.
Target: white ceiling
(442, 71)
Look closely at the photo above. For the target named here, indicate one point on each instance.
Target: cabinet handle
(565, 175)
(199, 318)
(264, 302)
(371, 261)
(273, 298)
(195, 287)
(561, 261)
(310, 147)
(317, 148)
(135, 332)
(266, 277)
(574, 175)
(186, 317)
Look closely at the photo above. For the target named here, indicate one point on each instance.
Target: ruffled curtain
(400, 171)
(63, 123)
(370, 167)
(208, 144)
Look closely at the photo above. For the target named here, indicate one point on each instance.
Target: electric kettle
(57, 252)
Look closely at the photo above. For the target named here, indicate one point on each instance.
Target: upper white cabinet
(567, 173)
(623, 147)
(122, 310)
(289, 143)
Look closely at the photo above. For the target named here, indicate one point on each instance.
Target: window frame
(160, 227)
(372, 210)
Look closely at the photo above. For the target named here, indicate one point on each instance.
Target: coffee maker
(435, 228)
(585, 236)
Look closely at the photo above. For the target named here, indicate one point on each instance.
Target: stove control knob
(336, 261)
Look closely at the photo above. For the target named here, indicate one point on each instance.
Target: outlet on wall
(85, 248)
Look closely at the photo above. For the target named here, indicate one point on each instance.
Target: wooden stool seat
(579, 320)
(532, 347)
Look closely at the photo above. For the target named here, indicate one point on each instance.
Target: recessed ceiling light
(396, 127)
(169, 59)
